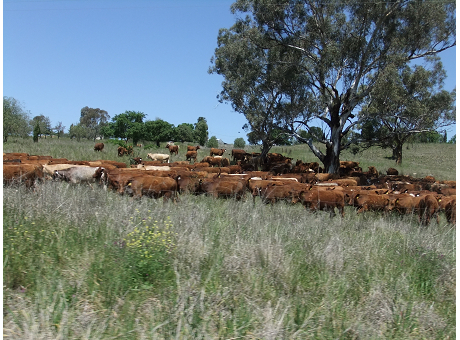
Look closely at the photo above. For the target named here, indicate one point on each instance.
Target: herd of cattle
(278, 179)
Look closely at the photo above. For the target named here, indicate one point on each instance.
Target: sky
(149, 56)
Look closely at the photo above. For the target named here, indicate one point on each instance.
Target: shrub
(212, 142)
(239, 143)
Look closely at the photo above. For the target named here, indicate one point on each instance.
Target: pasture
(81, 262)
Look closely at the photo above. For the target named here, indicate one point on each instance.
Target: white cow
(77, 175)
(49, 169)
(158, 157)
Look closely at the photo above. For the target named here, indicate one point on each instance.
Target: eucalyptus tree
(406, 101)
(15, 119)
(59, 129)
(94, 120)
(261, 83)
(338, 49)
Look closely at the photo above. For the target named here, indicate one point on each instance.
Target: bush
(239, 143)
(212, 142)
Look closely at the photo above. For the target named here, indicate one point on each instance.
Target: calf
(191, 155)
(121, 151)
(193, 148)
(98, 146)
(173, 149)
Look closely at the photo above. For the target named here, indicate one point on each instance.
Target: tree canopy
(94, 120)
(335, 51)
(127, 125)
(406, 101)
(44, 124)
(15, 119)
(201, 131)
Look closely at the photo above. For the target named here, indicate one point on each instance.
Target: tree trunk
(397, 153)
(331, 161)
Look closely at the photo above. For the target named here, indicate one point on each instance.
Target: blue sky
(150, 56)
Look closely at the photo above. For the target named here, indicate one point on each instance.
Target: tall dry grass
(219, 269)
(237, 270)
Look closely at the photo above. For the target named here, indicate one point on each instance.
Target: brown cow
(98, 146)
(22, 173)
(116, 179)
(428, 208)
(173, 149)
(392, 172)
(370, 201)
(238, 155)
(193, 148)
(223, 187)
(121, 151)
(403, 203)
(450, 211)
(153, 186)
(191, 155)
(213, 160)
(217, 152)
(322, 200)
(258, 186)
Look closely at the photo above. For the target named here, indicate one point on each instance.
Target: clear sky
(150, 56)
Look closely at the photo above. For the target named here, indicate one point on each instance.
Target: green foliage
(453, 139)
(149, 250)
(280, 80)
(93, 120)
(429, 137)
(201, 131)
(212, 142)
(184, 133)
(127, 125)
(44, 123)
(239, 143)
(15, 119)
(36, 132)
(159, 131)
(59, 129)
(78, 131)
(406, 104)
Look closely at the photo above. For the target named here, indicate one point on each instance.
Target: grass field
(83, 263)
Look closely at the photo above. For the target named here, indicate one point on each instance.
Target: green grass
(225, 269)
